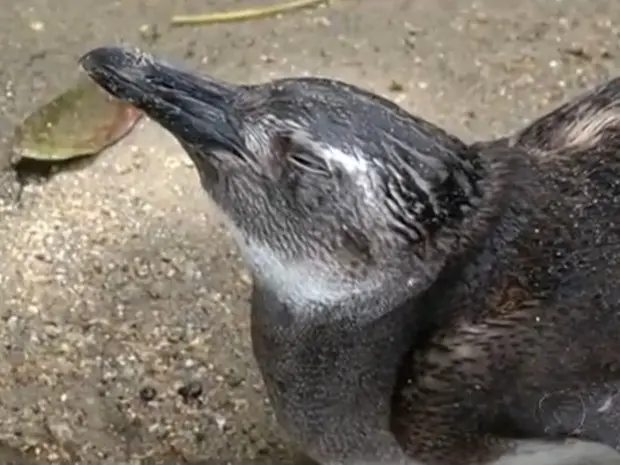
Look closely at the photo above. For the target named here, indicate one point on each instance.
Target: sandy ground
(123, 306)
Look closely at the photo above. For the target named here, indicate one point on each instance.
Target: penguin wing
(512, 375)
(457, 432)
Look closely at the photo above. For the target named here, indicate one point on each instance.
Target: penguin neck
(321, 364)
(324, 345)
(315, 292)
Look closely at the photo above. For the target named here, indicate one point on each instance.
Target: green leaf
(82, 121)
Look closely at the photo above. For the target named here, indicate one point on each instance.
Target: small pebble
(37, 26)
(148, 393)
(190, 391)
(396, 86)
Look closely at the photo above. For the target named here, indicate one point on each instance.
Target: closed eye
(300, 156)
(309, 162)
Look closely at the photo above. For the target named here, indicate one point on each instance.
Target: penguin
(416, 299)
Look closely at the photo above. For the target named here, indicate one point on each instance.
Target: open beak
(197, 110)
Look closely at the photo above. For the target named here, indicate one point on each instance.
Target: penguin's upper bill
(310, 171)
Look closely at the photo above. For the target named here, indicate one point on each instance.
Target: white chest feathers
(303, 283)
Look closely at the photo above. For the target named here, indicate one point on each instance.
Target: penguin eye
(308, 162)
(302, 158)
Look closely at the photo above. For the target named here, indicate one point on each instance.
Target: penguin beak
(198, 111)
